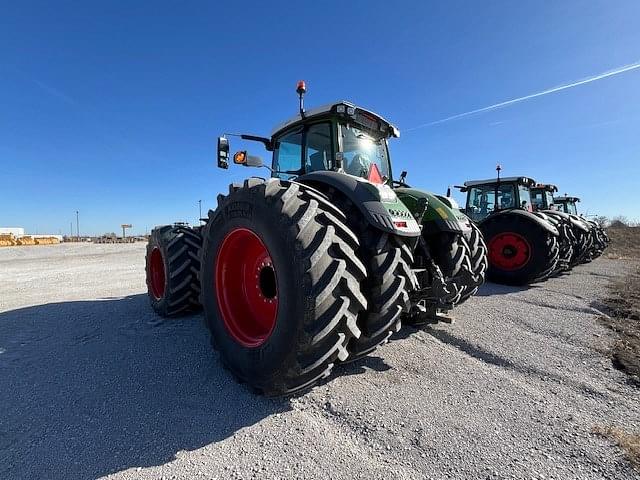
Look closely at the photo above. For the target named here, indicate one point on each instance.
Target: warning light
(301, 87)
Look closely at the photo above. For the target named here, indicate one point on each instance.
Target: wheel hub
(509, 251)
(246, 287)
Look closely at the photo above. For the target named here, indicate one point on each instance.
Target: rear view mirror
(223, 153)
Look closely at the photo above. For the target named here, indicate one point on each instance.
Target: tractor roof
(549, 187)
(350, 110)
(526, 181)
(566, 199)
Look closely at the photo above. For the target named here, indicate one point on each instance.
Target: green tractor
(319, 263)
(578, 229)
(599, 239)
(524, 246)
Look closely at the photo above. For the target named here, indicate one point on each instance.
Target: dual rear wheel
(291, 284)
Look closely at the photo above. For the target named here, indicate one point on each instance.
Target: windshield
(549, 196)
(481, 199)
(525, 198)
(571, 208)
(361, 151)
(538, 199)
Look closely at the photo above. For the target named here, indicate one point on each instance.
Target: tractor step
(422, 315)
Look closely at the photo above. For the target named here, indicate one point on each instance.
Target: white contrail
(54, 91)
(600, 76)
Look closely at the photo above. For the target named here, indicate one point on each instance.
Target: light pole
(78, 225)
(200, 212)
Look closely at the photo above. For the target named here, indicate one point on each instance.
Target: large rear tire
(581, 247)
(387, 259)
(479, 262)
(521, 252)
(280, 285)
(172, 266)
(566, 242)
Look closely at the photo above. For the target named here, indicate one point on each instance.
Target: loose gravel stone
(93, 384)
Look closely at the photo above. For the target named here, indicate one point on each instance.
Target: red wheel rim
(509, 251)
(246, 287)
(156, 273)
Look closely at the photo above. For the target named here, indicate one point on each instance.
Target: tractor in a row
(531, 235)
(591, 244)
(322, 261)
(523, 246)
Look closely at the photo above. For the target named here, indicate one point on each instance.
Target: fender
(579, 222)
(567, 218)
(540, 220)
(379, 204)
(440, 216)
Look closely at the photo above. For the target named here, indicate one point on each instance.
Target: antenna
(495, 200)
(301, 90)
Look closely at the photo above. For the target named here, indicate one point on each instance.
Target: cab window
(481, 200)
(525, 198)
(537, 200)
(363, 149)
(318, 148)
(287, 156)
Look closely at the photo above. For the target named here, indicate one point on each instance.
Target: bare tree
(619, 222)
(601, 220)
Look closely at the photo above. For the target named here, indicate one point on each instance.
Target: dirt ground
(625, 243)
(95, 385)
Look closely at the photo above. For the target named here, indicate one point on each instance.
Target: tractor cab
(487, 196)
(542, 196)
(339, 137)
(567, 204)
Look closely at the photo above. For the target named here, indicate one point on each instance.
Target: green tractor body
(599, 240)
(319, 263)
(524, 246)
(577, 231)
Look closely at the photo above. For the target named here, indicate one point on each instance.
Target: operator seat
(359, 166)
(317, 162)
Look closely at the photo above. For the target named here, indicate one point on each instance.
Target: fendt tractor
(524, 246)
(319, 263)
(599, 237)
(580, 230)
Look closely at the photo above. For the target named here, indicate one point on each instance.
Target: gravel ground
(93, 384)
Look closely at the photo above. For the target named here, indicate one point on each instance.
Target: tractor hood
(439, 216)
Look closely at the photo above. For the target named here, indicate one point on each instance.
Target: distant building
(16, 231)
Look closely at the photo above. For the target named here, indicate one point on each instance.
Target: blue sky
(113, 108)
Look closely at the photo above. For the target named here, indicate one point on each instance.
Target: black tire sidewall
(157, 240)
(535, 235)
(264, 361)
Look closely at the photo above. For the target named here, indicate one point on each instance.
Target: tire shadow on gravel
(493, 359)
(489, 289)
(91, 388)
